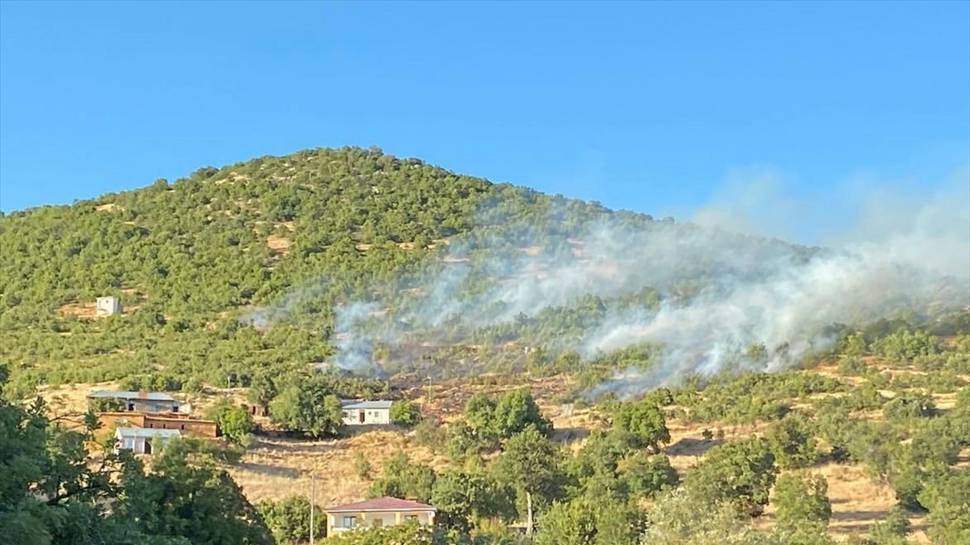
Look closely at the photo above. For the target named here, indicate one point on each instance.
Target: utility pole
(312, 501)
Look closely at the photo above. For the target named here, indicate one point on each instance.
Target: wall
(371, 417)
(367, 519)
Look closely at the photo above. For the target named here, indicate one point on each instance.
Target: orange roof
(386, 503)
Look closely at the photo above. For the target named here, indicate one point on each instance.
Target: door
(148, 446)
(361, 417)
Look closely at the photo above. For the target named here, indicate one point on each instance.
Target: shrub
(802, 501)
(405, 413)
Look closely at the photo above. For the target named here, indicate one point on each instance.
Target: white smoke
(722, 291)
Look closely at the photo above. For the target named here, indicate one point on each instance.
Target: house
(366, 413)
(149, 402)
(171, 421)
(142, 440)
(107, 306)
(377, 513)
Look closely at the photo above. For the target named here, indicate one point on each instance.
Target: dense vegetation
(204, 264)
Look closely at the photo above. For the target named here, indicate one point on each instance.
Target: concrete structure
(148, 402)
(107, 306)
(160, 421)
(377, 513)
(144, 441)
(366, 413)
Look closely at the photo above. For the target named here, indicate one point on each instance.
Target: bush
(235, 423)
(405, 413)
(741, 472)
(289, 519)
(802, 502)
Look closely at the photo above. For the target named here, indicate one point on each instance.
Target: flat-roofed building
(144, 440)
(366, 413)
(142, 401)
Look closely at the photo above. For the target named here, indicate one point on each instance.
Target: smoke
(721, 292)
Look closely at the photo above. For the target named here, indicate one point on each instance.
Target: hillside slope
(319, 245)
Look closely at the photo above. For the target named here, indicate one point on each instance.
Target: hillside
(201, 264)
(618, 369)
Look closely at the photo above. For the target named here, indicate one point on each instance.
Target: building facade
(377, 513)
(186, 426)
(126, 400)
(107, 306)
(366, 413)
(143, 441)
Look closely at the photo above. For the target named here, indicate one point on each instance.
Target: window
(411, 517)
(377, 523)
(350, 522)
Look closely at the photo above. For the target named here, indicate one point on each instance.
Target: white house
(144, 440)
(107, 306)
(377, 513)
(366, 413)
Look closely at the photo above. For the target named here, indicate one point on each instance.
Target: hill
(364, 261)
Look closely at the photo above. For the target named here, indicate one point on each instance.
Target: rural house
(377, 513)
(164, 421)
(149, 402)
(144, 440)
(366, 413)
(107, 306)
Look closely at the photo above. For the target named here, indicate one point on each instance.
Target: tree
(235, 423)
(792, 441)
(947, 496)
(403, 479)
(405, 413)
(309, 407)
(585, 521)
(802, 502)
(462, 498)
(741, 472)
(530, 464)
(289, 519)
(643, 423)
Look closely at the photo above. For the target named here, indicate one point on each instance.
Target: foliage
(405, 413)
(741, 472)
(51, 492)
(235, 423)
(403, 479)
(289, 519)
(410, 533)
(643, 423)
(584, 521)
(308, 406)
(905, 345)
(531, 465)
(792, 441)
(802, 501)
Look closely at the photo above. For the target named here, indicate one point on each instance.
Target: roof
(147, 432)
(129, 394)
(361, 404)
(386, 503)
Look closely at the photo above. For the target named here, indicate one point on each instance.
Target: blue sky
(656, 107)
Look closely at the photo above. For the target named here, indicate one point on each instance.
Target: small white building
(144, 440)
(366, 413)
(108, 306)
(377, 513)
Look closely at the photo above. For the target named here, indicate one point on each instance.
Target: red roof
(386, 503)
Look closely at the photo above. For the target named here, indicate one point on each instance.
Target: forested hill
(184, 256)
(190, 259)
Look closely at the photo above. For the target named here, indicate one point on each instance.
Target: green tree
(235, 423)
(741, 472)
(403, 479)
(309, 407)
(792, 441)
(802, 502)
(643, 423)
(405, 413)
(531, 465)
(289, 519)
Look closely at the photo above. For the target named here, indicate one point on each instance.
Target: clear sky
(656, 107)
